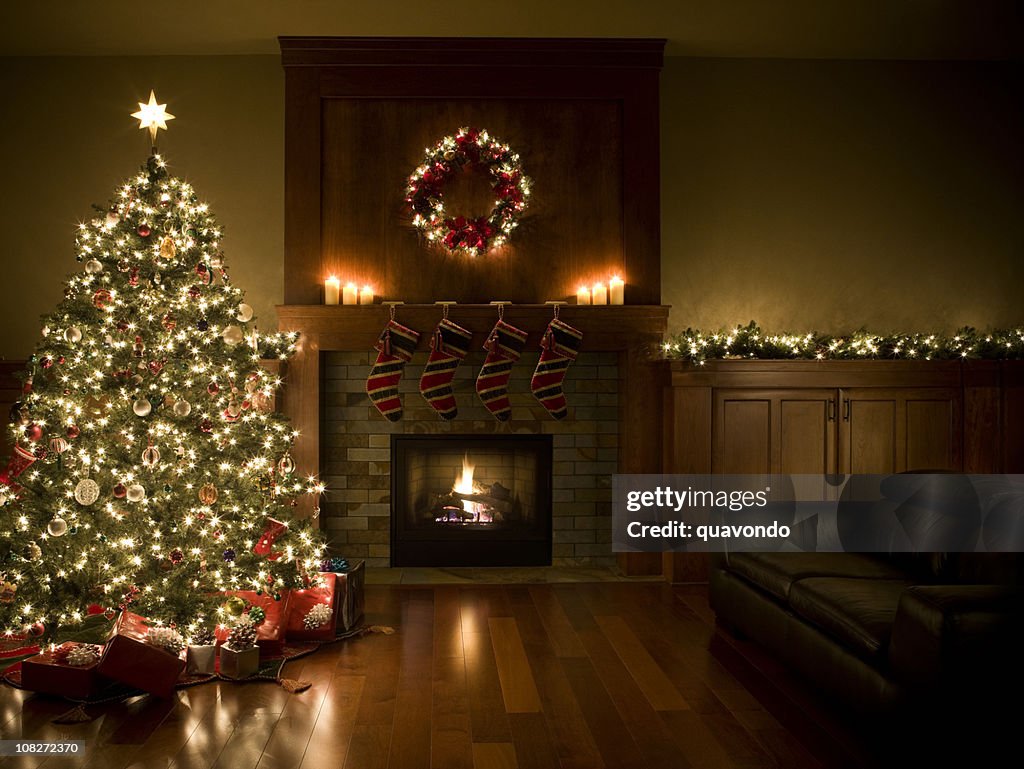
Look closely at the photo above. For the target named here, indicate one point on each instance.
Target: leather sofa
(882, 634)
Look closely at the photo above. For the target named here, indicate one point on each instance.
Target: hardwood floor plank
(331, 739)
(451, 744)
(656, 686)
(652, 737)
(489, 722)
(245, 746)
(614, 741)
(569, 732)
(447, 622)
(693, 736)
(494, 755)
(410, 740)
(533, 745)
(517, 685)
(369, 747)
(563, 637)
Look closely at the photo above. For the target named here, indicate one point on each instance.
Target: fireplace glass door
(470, 500)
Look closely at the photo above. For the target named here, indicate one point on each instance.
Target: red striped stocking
(560, 345)
(448, 347)
(504, 346)
(394, 349)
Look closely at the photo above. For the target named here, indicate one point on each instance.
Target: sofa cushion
(776, 572)
(857, 613)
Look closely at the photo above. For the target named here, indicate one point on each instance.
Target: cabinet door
(892, 430)
(774, 431)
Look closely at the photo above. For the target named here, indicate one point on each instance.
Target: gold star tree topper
(152, 116)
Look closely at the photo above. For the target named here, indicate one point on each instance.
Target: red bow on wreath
(470, 233)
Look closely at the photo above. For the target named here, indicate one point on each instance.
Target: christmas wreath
(450, 156)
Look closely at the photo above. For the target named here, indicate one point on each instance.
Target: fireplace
(471, 500)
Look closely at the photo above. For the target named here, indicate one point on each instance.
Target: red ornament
(93, 608)
(206, 426)
(102, 299)
(37, 629)
(177, 556)
(34, 432)
(193, 292)
(168, 322)
(133, 279)
(213, 388)
(46, 362)
(204, 274)
(144, 230)
(155, 367)
(73, 431)
(120, 491)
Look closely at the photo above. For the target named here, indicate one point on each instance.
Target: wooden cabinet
(810, 417)
(773, 431)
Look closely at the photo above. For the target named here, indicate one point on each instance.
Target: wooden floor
(577, 676)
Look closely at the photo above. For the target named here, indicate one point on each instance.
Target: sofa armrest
(956, 634)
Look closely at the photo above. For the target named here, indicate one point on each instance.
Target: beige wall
(835, 195)
(800, 193)
(67, 141)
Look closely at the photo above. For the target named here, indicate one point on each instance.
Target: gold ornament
(208, 494)
(142, 407)
(151, 456)
(8, 590)
(167, 248)
(33, 552)
(234, 606)
(86, 492)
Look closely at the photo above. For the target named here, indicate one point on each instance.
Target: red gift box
(133, 662)
(49, 673)
(270, 633)
(302, 601)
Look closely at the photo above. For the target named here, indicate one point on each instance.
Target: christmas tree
(150, 471)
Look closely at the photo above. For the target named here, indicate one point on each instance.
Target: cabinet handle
(846, 409)
(831, 410)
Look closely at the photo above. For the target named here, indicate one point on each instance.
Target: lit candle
(616, 290)
(366, 295)
(350, 294)
(331, 288)
(582, 295)
(599, 294)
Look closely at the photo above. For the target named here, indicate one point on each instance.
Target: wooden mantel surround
(582, 115)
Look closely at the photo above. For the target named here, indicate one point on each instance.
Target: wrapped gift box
(270, 633)
(350, 598)
(130, 660)
(49, 673)
(300, 603)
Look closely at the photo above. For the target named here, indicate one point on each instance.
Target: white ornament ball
(244, 313)
(87, 491)
(94, 267)
(136, 493)
(112, 219)
(182, 408)
(232, 335)
(142, 407)
(73, 335)
(57, 527)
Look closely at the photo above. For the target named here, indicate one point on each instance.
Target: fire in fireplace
(461, 500)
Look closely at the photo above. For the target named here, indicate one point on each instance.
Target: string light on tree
(146, 428)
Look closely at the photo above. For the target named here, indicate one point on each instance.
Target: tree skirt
(270, 670)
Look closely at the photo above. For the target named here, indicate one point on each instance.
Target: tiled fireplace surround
(613, 423)
(356, 455)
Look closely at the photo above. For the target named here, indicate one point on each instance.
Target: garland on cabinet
(752, 342)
